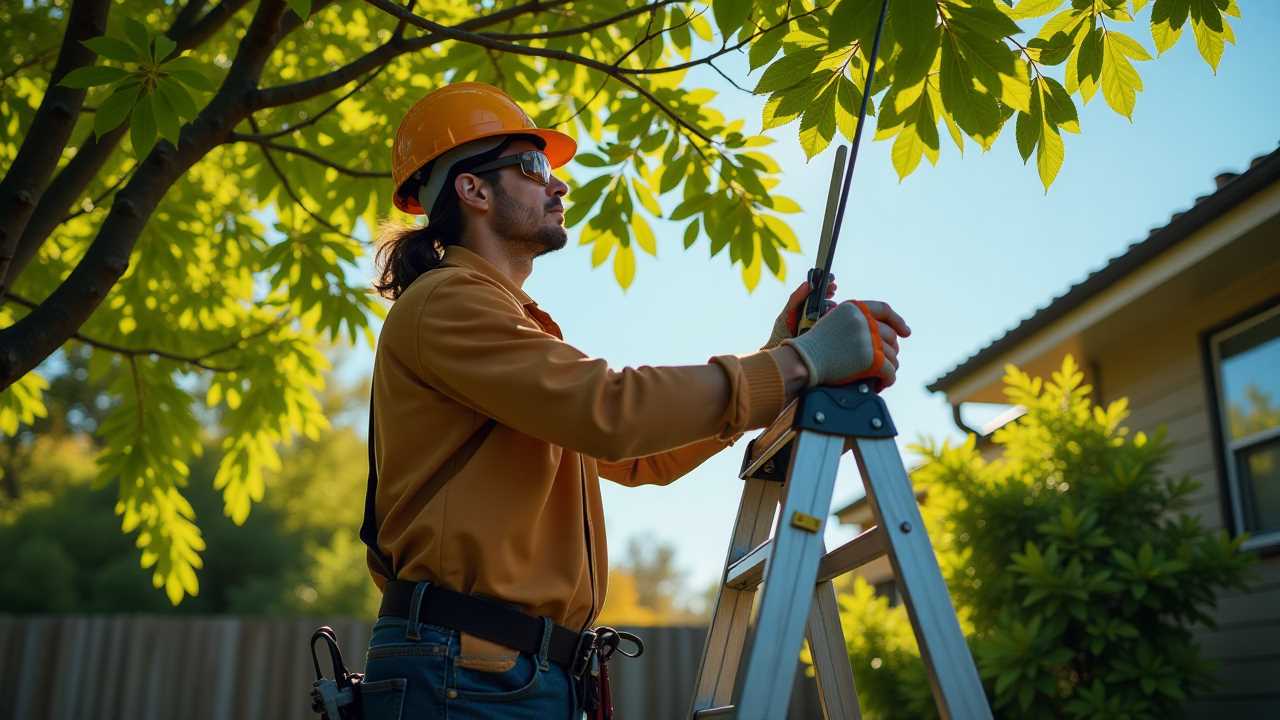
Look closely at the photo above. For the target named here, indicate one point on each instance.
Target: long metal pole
(813, 307)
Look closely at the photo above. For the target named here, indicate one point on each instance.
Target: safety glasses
(533, 164)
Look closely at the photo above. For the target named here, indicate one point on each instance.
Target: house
(1186, 325)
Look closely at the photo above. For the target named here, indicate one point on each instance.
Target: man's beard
(527, 226)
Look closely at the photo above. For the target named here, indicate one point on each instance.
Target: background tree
(186, 184)
(1077, 574)
(646, 587)
(297, 554)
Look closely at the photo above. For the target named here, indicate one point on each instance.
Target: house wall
(1157, 364)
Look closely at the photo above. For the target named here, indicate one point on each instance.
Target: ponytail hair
(405, 250)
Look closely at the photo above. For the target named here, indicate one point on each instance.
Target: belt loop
(545, 648)
(413, 629)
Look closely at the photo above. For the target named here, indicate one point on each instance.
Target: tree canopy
(187, 184)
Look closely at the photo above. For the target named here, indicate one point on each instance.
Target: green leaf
(1026, 9)
(138, 35)
(1050, 154)
(582, 199)
(1120, 80)
(765, 47)
(190, 72)
(1167, 19)
(818, 123)
(1027, 129)
(691, 234)
(730, 15)
(854, 20)
(114, 110)
(1058, 103)
(178, 98)
(1209, 43)
(115, 49)
(590, 160)
(916, 31)
(646, 198)
(164, 46)
(142, 128)
(166, 118)
(302, 8)
(86, 77)
(788, 70)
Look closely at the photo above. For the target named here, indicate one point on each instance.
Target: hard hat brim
(559, 149)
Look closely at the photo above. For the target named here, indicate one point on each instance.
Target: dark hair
(406, 251)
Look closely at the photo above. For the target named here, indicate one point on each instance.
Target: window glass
(1251, 379)
(1260, 482)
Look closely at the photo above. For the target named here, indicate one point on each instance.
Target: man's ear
(472, 191)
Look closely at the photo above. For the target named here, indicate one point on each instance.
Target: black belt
(490, 620)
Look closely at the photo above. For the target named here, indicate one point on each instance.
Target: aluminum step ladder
(794, 463)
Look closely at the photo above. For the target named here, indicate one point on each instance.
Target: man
(484, 518)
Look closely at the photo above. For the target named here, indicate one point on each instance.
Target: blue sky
(963, 251)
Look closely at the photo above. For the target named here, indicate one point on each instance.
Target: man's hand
(785, 326)
(854, 341)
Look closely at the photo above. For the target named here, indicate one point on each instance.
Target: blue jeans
(414, 676)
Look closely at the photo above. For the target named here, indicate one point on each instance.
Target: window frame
(1226, 449)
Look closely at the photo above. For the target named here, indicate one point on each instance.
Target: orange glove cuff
(877, 344)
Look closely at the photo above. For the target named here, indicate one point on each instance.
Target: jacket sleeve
(662, 468)
(475, 343)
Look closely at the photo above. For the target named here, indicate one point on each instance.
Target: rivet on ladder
(768, 468)
(877, 423)
(905, 526)
(819, 417)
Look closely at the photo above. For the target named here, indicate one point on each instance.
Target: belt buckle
(582, 653)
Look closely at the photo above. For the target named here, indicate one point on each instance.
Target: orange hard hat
(457, 114)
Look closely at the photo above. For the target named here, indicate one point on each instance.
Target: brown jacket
(520, 518)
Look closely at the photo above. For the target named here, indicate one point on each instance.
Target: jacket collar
(462, 257)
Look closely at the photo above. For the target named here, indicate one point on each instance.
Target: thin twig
(289, 188)
(96, 203)
(196, 360)
(316, 118)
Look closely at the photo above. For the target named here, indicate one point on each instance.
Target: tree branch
(288, 188)
(483, 41)
(583, 29)
(49, 131)
(200, 361)
(96, 203)
(393, 48)
(93, 153)
(722, 51)
(37, 59)
(316, 118)
(27, 342)
(308, 154)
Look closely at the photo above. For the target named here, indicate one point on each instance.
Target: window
(1246, 367)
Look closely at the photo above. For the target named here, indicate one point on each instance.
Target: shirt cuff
(756, 392)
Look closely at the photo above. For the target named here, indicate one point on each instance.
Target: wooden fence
(237, 668)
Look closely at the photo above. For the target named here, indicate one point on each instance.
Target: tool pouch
(337, 698)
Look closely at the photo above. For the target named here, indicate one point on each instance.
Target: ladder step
(770, 443)
(867, 546)
(725, 711)
(747, 572)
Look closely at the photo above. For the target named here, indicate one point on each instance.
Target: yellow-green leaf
(624, 266)
(643, 235)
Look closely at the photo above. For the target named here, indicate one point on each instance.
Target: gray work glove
(854, 341)
(785, 326)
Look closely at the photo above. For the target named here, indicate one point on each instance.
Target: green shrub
(1076, 571)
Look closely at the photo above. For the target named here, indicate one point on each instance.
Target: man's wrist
(795, 374)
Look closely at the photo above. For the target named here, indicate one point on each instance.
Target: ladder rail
(957, 689)
(788, 587)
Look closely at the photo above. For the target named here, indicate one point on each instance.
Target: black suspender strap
(422, 496)
(369, 527)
